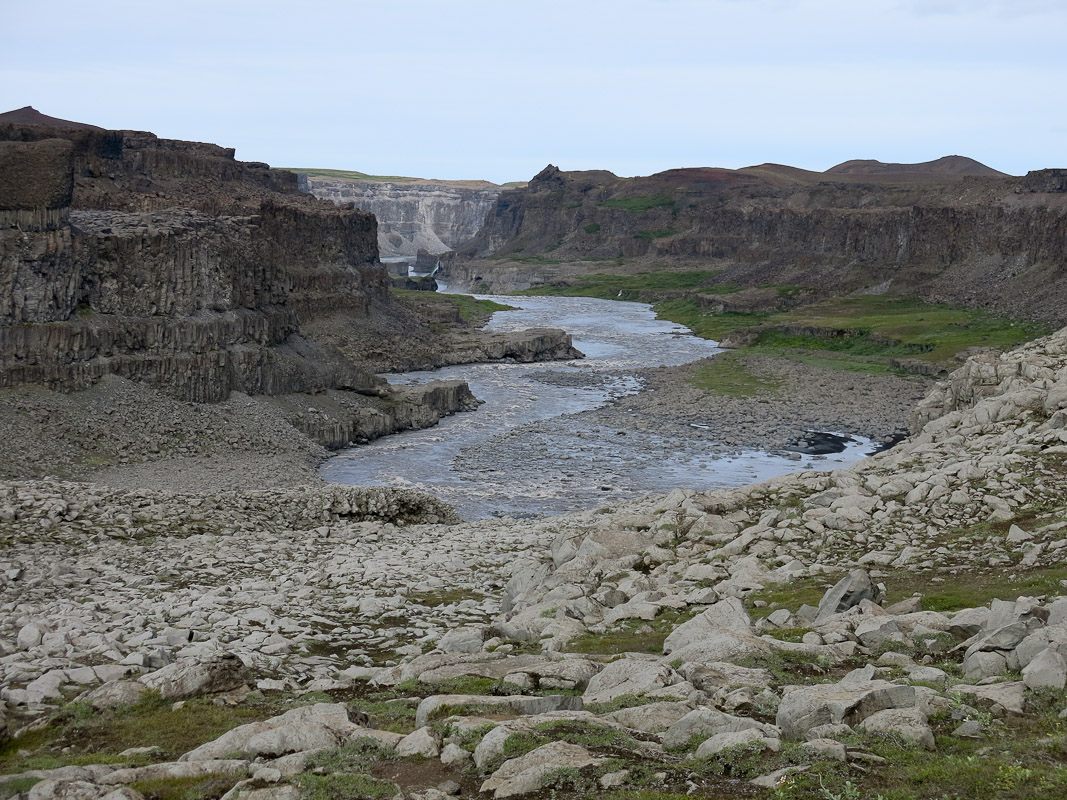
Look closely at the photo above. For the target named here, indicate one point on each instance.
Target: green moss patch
(639, 204)
(74, 737)
(593, 737)
(200, 787)
(633, 635)
(345, 787)
(728, 375)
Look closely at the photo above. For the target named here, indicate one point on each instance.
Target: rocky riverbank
(897, 628)
(681, 431)
(123, 433)
(784, 400)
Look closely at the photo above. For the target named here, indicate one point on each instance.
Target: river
(528, 450)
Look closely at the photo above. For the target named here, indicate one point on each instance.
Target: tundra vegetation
(894, 630)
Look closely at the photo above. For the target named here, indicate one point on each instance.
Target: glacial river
(529, 451)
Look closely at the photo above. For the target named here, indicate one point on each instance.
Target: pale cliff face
(433, 217)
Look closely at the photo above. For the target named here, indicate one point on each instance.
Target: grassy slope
(880, 328)
(354, 175)
(350, 175)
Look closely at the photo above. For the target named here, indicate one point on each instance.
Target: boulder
(907, 722)
(79, 790)
(463, 640)
(983, 664)
(421, 742)
(176, 770)
(523, 775)
(189, 678)
(850, 591)
(544, 672)
(847, 703)
(722, 741)
(322, 725)
(722, 632)
(826, 748)
(113, 694)
(1004, 697)
(651, 718)
(280, 792)
(629, 676)
(711, 676)
(968, 622)
(515, 704)
(707, 722)
(28, 636)
(452, 755)
(1047, 670)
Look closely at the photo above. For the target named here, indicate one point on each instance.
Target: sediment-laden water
(529, 450)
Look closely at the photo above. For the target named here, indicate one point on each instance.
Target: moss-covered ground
(867, 333)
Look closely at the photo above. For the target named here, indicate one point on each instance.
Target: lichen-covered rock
(322, 725)
(523, 775)
(907, 722)
(822, 704)
(629, 676)
(183, 679)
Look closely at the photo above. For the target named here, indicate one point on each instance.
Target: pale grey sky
(496, 90)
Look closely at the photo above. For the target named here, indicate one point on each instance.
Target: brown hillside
(946, 166)
(28, 115)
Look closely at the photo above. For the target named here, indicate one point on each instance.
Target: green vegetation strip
(727, 375)
(647, 286)
(636, 205)
(867, 333)
(78, 735)
(470, 309)
(349, 175)
(633, 635)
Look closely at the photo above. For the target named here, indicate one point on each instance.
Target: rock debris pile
(817, 630)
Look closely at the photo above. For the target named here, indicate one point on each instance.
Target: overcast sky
(496, 90)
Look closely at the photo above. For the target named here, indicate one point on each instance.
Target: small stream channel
(530, 451)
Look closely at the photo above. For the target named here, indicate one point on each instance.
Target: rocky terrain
(412, 214)
(949, 231)
(893, 630)
(173, 266)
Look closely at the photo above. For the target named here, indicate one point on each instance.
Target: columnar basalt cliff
(951, 230)
(195, 303)
(174, 265)
(430, 215)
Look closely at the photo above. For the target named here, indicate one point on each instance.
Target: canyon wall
(174, 265)
(972, 239)
(430, 215)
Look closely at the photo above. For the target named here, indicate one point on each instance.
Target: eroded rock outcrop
(433, 216)
(979, 239)
(192, 301)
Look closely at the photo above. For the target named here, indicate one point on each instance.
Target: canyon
(172, 265)
(949, 231)
(186, 609)
(413, 214)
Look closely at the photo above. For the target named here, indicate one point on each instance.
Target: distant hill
(941, 170)
(28, 115)
(944, 166)
(363, 177)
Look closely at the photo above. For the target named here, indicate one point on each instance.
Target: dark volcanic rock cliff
(102, 273)
(937, 231)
